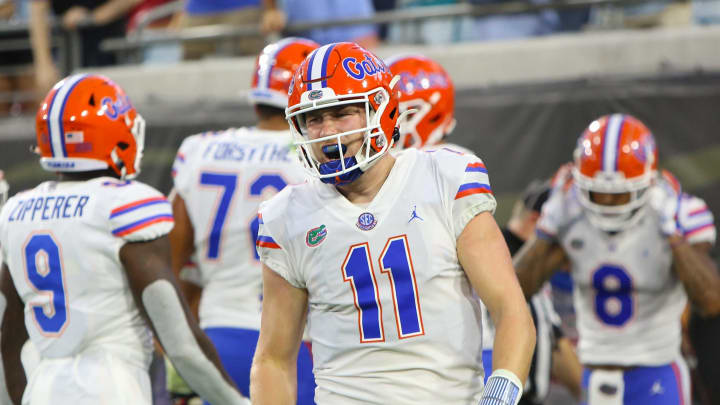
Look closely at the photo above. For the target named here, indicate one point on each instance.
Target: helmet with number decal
(341, 74)
(426, 88)
(616, 154)
(87, 123)
(274, 68)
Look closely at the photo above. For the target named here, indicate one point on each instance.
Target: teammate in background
(87, 262)
(387, 253)
(220, 180)
(427, 89)
(427, 94)
(632, 240)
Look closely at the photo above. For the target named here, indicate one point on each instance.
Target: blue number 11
(396, 262)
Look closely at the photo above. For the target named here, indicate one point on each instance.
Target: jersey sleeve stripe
(698, 229)
(143, 223)
(476, 167)
(260, 221)
(180, 157)
(267, 242)
(124, 209)
(697, 220)
(472, 188)
(698, 210)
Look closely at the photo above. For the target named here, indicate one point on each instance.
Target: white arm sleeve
(166, 313)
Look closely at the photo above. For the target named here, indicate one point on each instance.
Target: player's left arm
(698, 272)
(12, 337)
(484, 256)
(690, 227)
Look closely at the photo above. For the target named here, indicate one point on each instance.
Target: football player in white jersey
(428, 94)
(384, 255)
(220, 179)
(636, 247)
(87, 262)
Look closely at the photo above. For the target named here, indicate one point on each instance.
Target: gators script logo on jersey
(316, 236)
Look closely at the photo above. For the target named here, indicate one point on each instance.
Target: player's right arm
(542, 255)
(273, 378)
(536, 261)
(12, 337)
(157, 295)
(182, 246)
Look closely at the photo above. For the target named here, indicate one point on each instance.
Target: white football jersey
(627, 298)
(61, 241)
(223, 177)
(392, 315)
(449, 146)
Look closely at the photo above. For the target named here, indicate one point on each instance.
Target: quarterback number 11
(396, 262)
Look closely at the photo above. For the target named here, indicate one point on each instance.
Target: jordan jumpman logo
(414, 215)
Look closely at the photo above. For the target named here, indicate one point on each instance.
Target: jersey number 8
(613, 298)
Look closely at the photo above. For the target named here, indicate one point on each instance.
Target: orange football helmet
(615, 154)
(425, 87)
(274, 68)
(340, 74)
(87, 123)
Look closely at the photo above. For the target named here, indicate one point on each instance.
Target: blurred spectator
(230, 12)
(7, 9)
(301, 11)
(433, 31)
(512, 26)
(383, 5)
(94, 21)
(706, 11)
(163, 52)
(16, 81)
(142, 9)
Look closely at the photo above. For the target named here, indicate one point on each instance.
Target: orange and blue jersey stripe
(697, 211)
(124, 209)
(697, 229)
(476, 167)
(143, 223)
(267, 242)
(472, 188)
